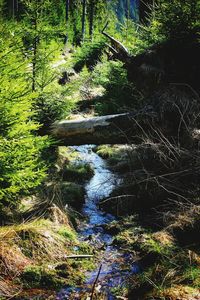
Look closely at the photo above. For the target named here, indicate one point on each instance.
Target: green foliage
(192, 275)
(50, 107)
(177, 19)
(110, 74)
(36, 276)
(119, 93)
(21, 166)
(89, 55)
(42, 49)
(67, 233)
(32, 275)
(77, 172)
(170, 20)
(72, 194)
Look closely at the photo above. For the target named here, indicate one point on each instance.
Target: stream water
(116, 266)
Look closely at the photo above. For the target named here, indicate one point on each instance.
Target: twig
(95, 282)
(106, 25)
(116, 198)
(79, 256)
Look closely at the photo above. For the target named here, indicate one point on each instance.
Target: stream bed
(116, 265)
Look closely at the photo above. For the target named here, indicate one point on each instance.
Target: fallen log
(111, 129)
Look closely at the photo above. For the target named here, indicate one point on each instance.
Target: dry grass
(180, 292)
(39, 242)
(184, 215)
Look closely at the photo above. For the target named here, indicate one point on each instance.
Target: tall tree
(83, 18)
(67, 10)
(67, 20)
(91, 17)
(75, 22)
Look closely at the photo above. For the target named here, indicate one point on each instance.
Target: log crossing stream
(116, 265)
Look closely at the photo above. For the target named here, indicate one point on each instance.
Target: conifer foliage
(21, 167)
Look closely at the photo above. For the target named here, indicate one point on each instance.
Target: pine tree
(21, 166)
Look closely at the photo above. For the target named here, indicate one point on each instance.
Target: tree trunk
(83, 18)
(91, 18)
(67, 11)
(111, 129)
(67, 19)
(13, 8)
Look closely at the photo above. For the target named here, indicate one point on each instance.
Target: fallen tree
(172, 61)
(98, 130)
(111, 129)
(173, 114)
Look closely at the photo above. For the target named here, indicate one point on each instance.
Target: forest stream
(114, 266)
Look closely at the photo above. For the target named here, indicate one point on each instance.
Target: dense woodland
(122, 76)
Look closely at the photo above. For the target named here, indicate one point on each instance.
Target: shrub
(176, 19)
(77, 172)
(50, 107)
(32, 275)
(119, 93)
(72, 194)
(89, 54)
(21, 166)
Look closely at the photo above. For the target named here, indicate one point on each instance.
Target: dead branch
(95, 282)
(121, 50)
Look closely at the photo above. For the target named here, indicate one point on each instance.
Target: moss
(167, 268)
(127, 231)
(191, 275)
(35, 253)
(105, 151)
(174, 269)
(78, 172)
(118, 156)
(67, 233)
(150, 244)
(85, 248)
(84, 264)
(32, 276)
(51, 280)
(72, 194)
(39, 240)
(37, 276)
(66, 154)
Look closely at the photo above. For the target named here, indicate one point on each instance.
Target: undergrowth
(33, 255)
